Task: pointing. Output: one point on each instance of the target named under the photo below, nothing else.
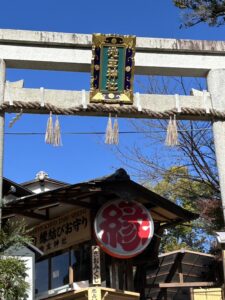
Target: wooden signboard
(94, 293)
(96, 265)
(63, 232)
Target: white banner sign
(96, 265)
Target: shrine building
(99, 238)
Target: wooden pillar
(164, 294)
(223, 262)
(129, 275)
(191, 293)
(180, 272)
(71, 275)
(114, 274)
(216, 87)
(2, 122)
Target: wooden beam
(160, 215)
(167, 285)
(21, 211)
(33, 215)
(69, 198)
(184, 274)
(26, 205)
(77, 202)
(186, 284)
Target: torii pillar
(2, 122)
(216, 87)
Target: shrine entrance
(112, 60)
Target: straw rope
(30, 107)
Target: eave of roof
(118, 184)
(21, 190)
(187, 251)
(46, 180)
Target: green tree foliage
(12, 279)
(12, 270)
(191, 195)
(13, 234)
(211, 12)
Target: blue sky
(81, 157)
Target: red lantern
(123, 228)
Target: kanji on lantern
(123, 228)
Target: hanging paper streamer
(112, 132)
(175, 131)
(172, 134)
(109, 132)
(49, 135)
(57, 133)
(116, 132)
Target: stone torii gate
(73, 52)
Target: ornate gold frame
(127, 42)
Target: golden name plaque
(112, 70)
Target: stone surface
(68, 99)
(72, 52)
(216, 86)
(85, 41)
(2, 122)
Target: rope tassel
(109, 132)
(57, 134)
(49, 134)
(172, 133)
(116, 132)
